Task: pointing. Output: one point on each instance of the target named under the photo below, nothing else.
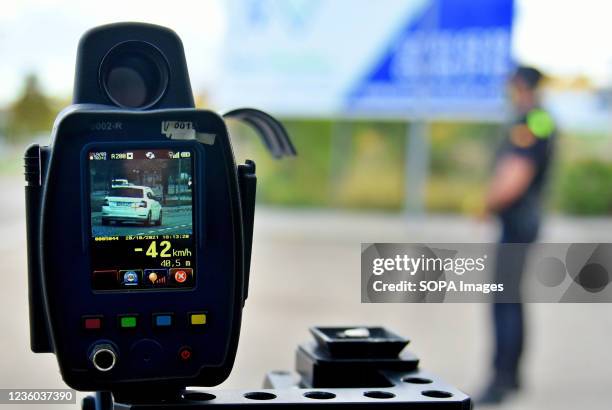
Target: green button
(128, 321)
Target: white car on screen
(119, 182)
(131, 203)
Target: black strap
(272, 132)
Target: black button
(146, 353)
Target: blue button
(163, 320)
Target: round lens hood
(134, 75)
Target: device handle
(277, 141)
(40, 338)
(247, 184)
(272, 132)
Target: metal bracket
(336, 372)
(413, 390)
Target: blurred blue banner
(420, 59)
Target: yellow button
(198, 319)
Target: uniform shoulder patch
(540, 123)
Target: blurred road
(175, 220)
(305, 272)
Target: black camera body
(139, 222)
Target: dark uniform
(531, 136)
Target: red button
(92, 323)
(185, 353)
(181, 276)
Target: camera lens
(134, 75)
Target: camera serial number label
(38, 396)
(180, 130)
(107, 126)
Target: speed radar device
(140, 222)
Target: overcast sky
(563, 37)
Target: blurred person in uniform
(515, 198)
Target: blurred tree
(585, 188)
(32, 112)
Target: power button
(185, 353)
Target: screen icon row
(137, 278)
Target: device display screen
(141, 219)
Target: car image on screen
(131, 203)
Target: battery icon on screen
(185, 154)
